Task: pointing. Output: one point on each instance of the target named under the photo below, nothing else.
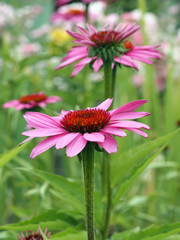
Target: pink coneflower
(30, 101)
(73, 129)
(107, 45)
(34, 236)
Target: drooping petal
(25, 106)
(128, 107)
(53, 99)
(94, 137)
(71, 60)
(27, 139)
(66, 139)
(129, 124)
(97, 64)
(78, 67)
(114, 131)
(76, 146)
(105, 105)
(75, 51)
(44, 132)
(10, 104)
(40, 120)
(138, 131)
(43, 146)
(109, 144)
(41, 104)
(129, 115)
(141, 58)
(126, 60)
(144, 53)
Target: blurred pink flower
(63, 2)
(74, 13)
(41, 31)
(30, 101)
(28, 49)
(151, 24)
(138, 80)
(73, 129)
(108, 44)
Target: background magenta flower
(63, 2)
(74, 13)
(30, 101)
(73, 129)
(112, 45)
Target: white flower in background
(10, 16)
(7, 14)
(96, 77)
(39, 32)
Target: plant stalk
(87, 13)
(109, 197)
(88, 167)
(108, 93)
(107, 79)
(114, 80)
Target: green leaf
(10, 154)
(71, 236)
(133, 173)
(34, 59)
(150, 233)
(43, 235)
(128, 159)
(8, 235)
(72, 191)
(52, 219)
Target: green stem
(109, 198)
(108, 93)
(88, 167)
(114, 80)
(86, 13)
(107, 79)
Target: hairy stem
(88, 167)
(114, 80)
(107, 79)
(109, 197)
(108, 93)
(87, 13)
